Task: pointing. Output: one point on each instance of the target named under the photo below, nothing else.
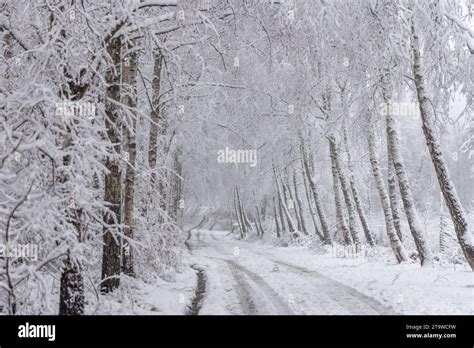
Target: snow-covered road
(244, 278)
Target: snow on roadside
(406, 288)
(156, 297)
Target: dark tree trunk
(111, 247)
(71, 298)
(129, 73)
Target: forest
(236, 157)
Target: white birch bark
(353, 228)
(395, 243)
(419, 236)
(341, 224)
(317, 200)
(450, 195)
(369, 236)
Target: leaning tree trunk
(289, 219)
(450, 195)
(310, 206)
(257, 227)
(280, 209)
(263, 210)
(238, 216)
(231, 219)
(299, 203)
(424, 251)
(340, 220)
(295, 206)
(317, 201)
(111, 246)
(287, 198)
(129, 73)
(395, 243)
(280, 203)
(393, 195)
(345, 191)
(243, 216)
(275, 214)
(259, 221)
(369, 236)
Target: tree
(451, 198)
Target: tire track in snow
(349, 298)
(244, 293)
(253, 299)
(280, 306)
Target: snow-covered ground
(157, 297)
(259, 278)
(256, 277)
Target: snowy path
(243, 278)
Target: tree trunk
(243, 219)
(340, 220)
(129, 73)
(346, 194)
(275, 214)
(295, 207)
(299, 203)
(310, 205)
(111, 246)
(231, 219)
(395, 243)
(246, 218)
(443, 228)
(175, 191)
(369, 236)
(157, 128)
(450, 195)
(259, 222)
(394, 199)
(263, 210)
(287, 199)
(416, 230)
(71, 296)
(317, 201)
(280, 203)
(155, 118)
(257, 227)
(237, 214)
(289, 219)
